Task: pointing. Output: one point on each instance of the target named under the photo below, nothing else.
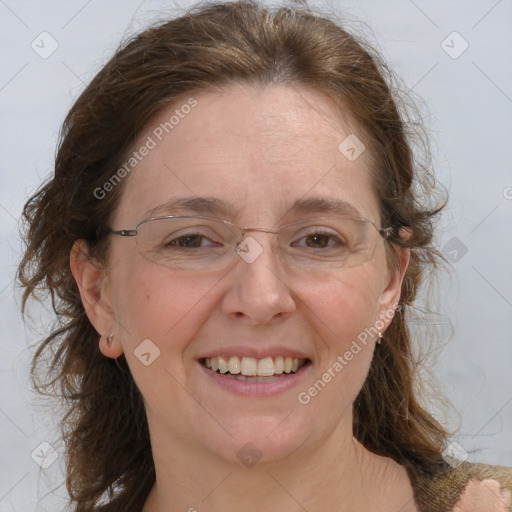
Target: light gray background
(468, 108)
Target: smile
(252, 367)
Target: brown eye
(318, 240)
(186, 242)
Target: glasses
(185, 242)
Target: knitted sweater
(467, 488)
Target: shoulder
(469, 487)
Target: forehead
(259, 150)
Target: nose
(258, 289)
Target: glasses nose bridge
(245, 230)
(245, 235)
(262, 230)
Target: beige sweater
(467, 488)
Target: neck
(341, 475)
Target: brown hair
(104, 428)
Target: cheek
(345, 305)
(150, 302)
(344, 316)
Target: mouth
(262, 374)
(250, 369)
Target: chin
(260, 440)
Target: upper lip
(256, 353)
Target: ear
(94, 287)
(390, 296)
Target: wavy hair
(109, 465)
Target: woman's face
(261, 151)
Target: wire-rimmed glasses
(198, 243)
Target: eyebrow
(198, 205)
(324, 205)
(222, 209)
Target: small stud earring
(109, 340)
(379, 341)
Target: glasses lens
(329, 243)
(195, 243)
(187, 243)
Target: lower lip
(257, 389)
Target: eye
(186, 241)
(320, 238)
(195, 240)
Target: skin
(259, 148)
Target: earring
(379, 341)
(109, 340)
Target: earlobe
(95, 293)
(110, 346)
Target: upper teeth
(249, 366)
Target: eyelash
(319, 232)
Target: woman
(232, 240)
